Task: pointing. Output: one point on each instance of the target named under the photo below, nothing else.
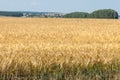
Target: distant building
(42, 14)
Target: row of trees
(31, 14)
(103, 13)
(15, 14)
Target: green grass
(98, 71)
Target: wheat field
(59, 49)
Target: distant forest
(103, 13)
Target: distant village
(31, 14)
(43, 14)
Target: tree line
(31, 14)
(103, 13)
(14, 14)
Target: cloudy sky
(58, 5)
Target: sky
(64, 6)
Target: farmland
(59, 49)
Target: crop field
(59, 49)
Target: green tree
(76, 15)
(104, 13)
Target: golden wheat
(30, 43)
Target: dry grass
(60, 47)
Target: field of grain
(59, 49)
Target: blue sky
(58, 5)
